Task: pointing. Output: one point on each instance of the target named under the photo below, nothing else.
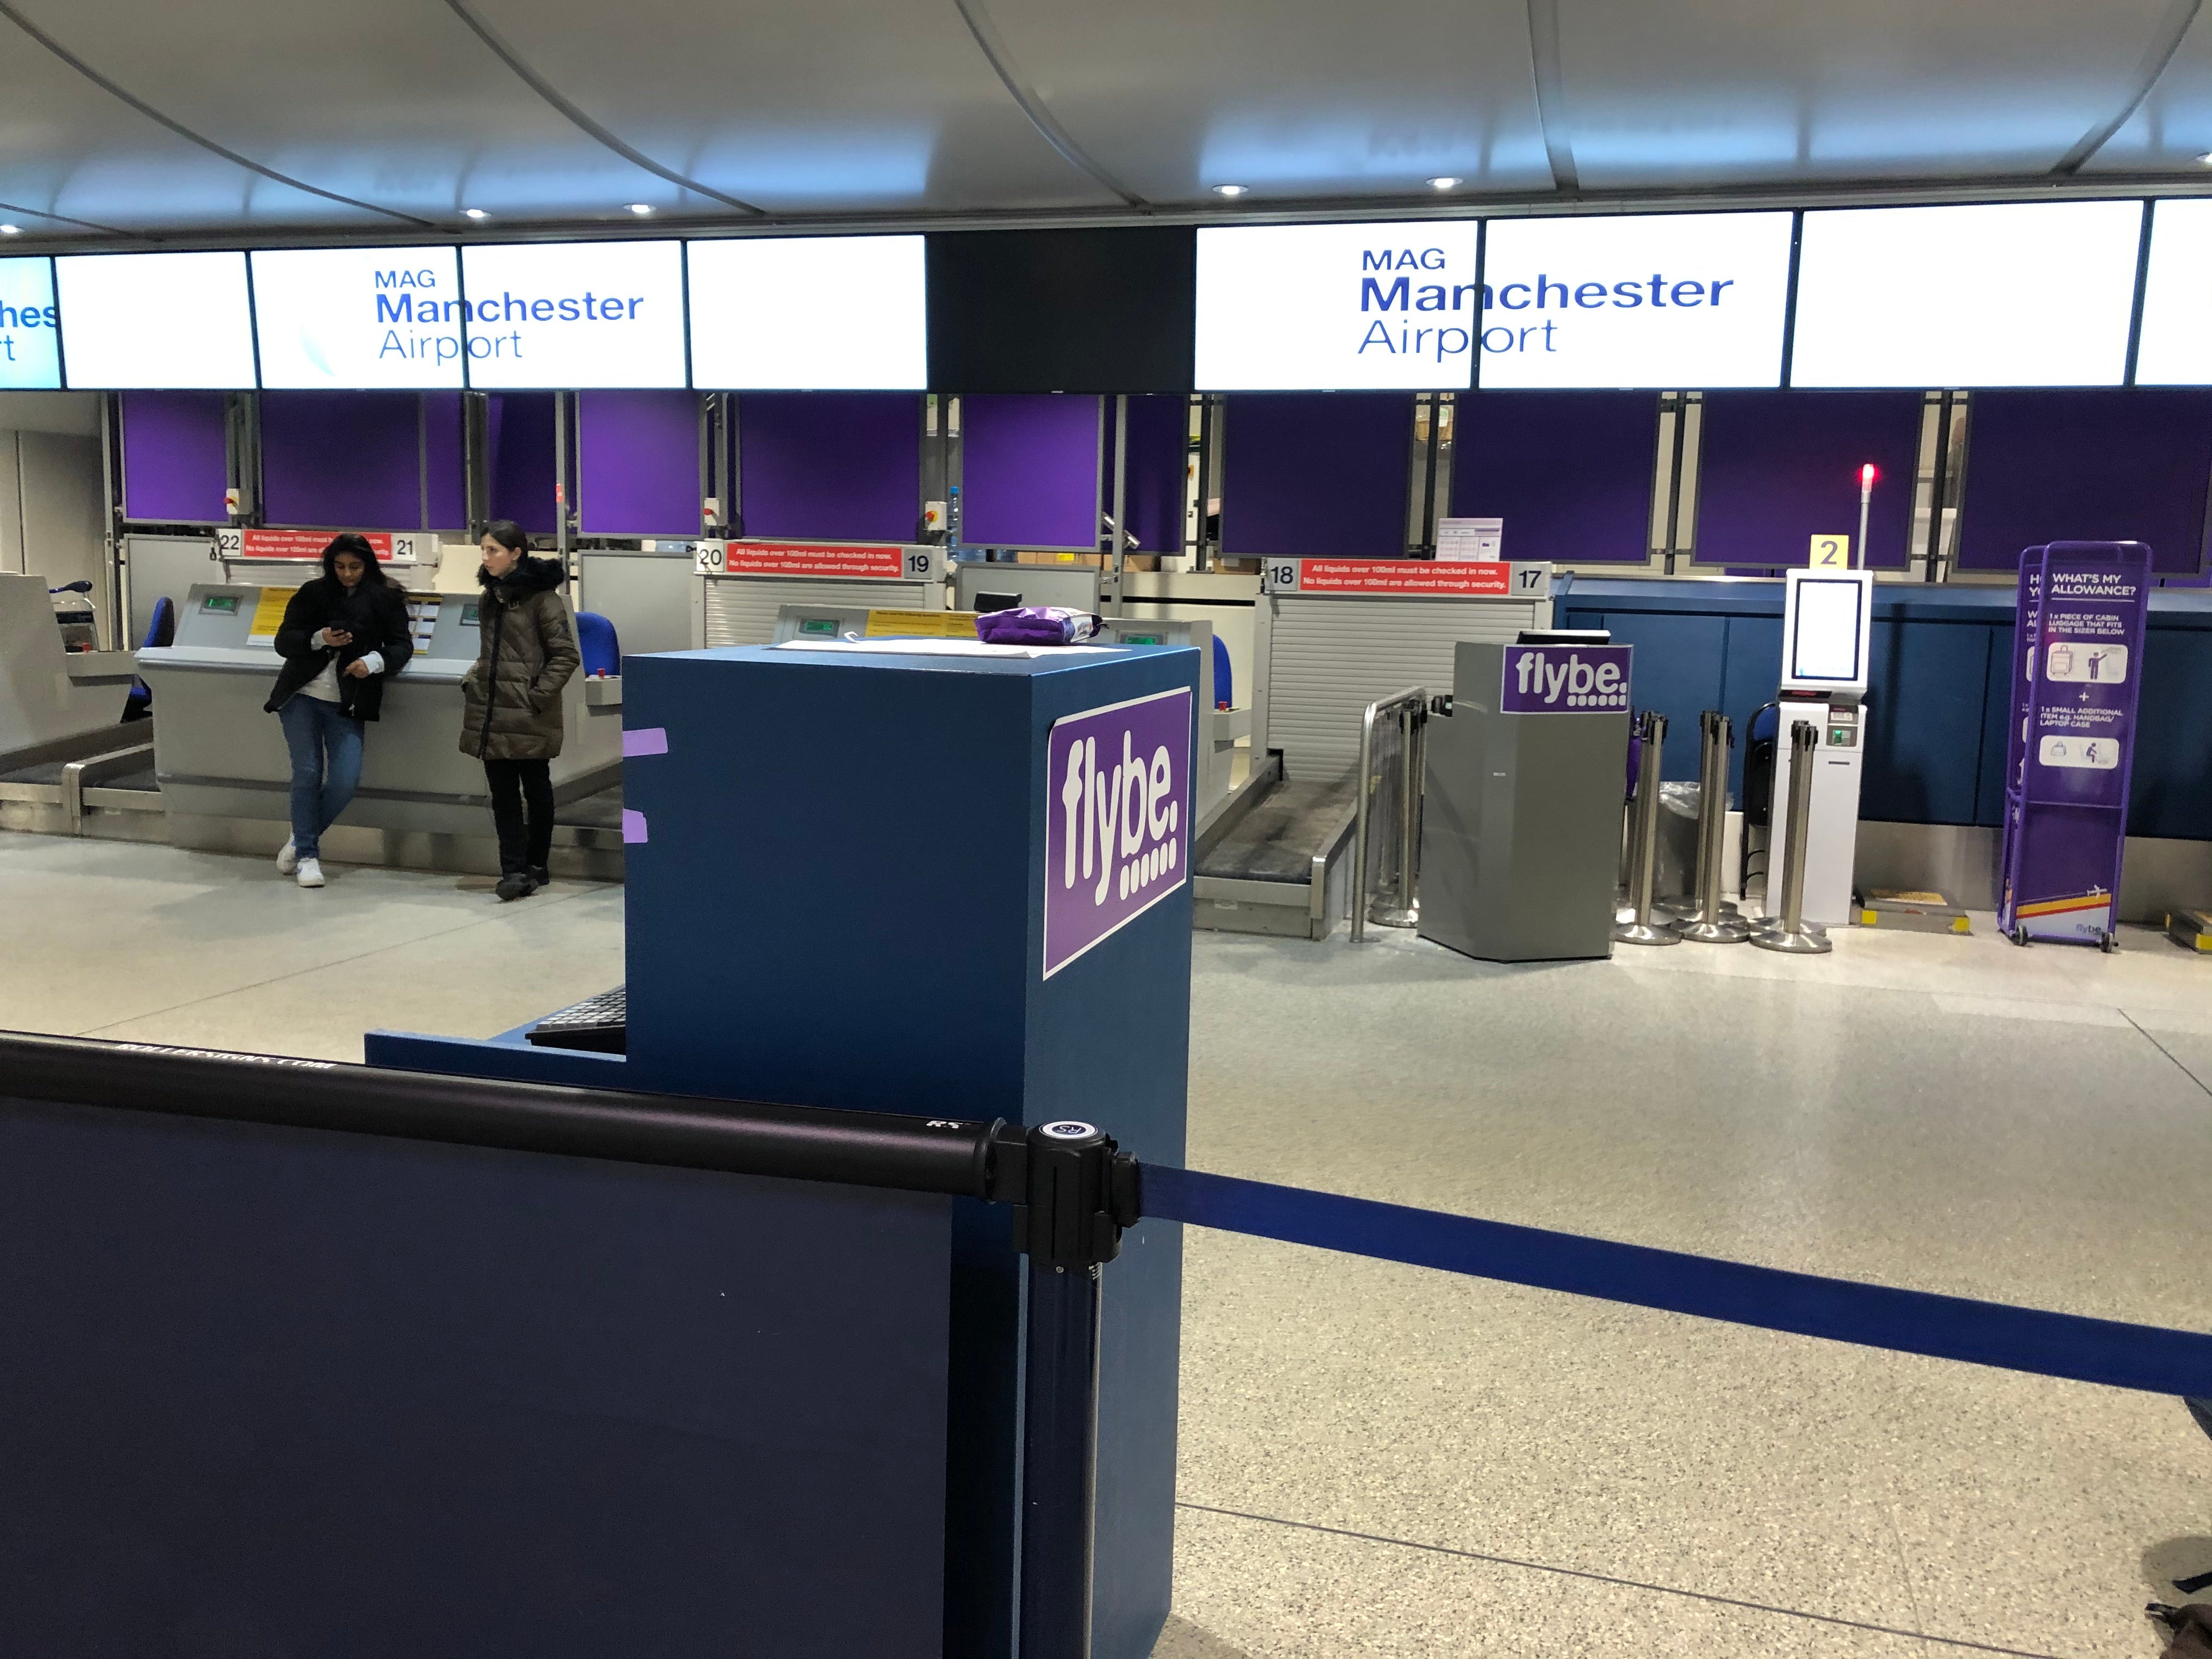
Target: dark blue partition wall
(1316, 472)
(445, 465)
(1939, 684)
(287, 1392)
(1029, 471)
(1570, 472)
(637, 463)
(175, 460)
(1775, 469)
(1152, 485)
(342, 460)
(831, 465)
(519, 435)
(2086, 466)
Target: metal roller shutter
(741, 611)
(1329, 659)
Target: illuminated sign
(156, 321)
(2175, 347)
(810, 314)
(1330, 308)
(1657, 300)
(29, 326)
(2016, 294)
(358, 317)
(568, 314)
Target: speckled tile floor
(1378, 1460)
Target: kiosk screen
(1826, 646)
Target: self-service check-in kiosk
(59, 714)
(225, 777)
(1521, 822)
(1826, 630)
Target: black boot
(517, 883)
(541, 875)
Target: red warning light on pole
(1866, 476)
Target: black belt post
(1074, 1191)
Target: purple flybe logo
(1565, 680)
(1117, 819)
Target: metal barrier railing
(1397, 857)
(1712, 920)
(1638, 927)
(1786, 929)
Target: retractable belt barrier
(2031, 1340)
(1074, 1194)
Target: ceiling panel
(393, 102)
(1289, 97)
(835, 106)
(2173, 126)
(69, 149)
(1733, 91)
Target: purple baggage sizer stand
(2077, 674)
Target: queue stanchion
(1712, 922)
(1787, 931)
(1080, 1192)
(1643, 856)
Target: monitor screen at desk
(1827, 645)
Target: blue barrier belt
(1842, 1311)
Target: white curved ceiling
(268, 117)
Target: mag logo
(1117, 819)
(1565, 680)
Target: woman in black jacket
(342, 634)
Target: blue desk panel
(283, 1392)
(1939, 673)
(839, 903)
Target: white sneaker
(289, 860)
(311, 872)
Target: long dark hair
(509, 534)
(349, 542)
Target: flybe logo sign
(1117, 819)
(1560, 679)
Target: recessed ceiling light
(1447, 182)
(1228, 190)
(474, 213)
(11, 230)
(641, 209)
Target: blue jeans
(326, 746)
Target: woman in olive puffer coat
(526, 653)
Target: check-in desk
(1330, 637)
(224, 774)
(59, 714)
(739, 588)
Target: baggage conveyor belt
(1278, 859)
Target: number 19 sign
(1117, 819)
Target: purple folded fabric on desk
(1036, 624)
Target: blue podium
(955, 885)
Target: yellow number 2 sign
(1831, 552)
